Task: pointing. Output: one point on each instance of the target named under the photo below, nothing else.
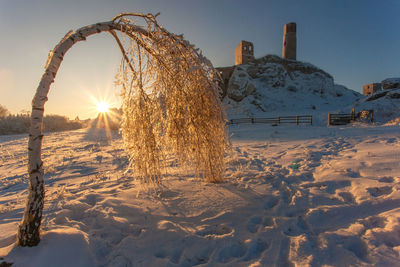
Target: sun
(103, 107)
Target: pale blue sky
(357, 41)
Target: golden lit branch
(170, 103)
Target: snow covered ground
(294, 195)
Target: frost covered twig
(173, 107)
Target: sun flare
(102, 107)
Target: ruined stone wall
(289, 41)
(244, 53)
(369, 89)
(391, 83)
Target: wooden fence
(342, 119)
(302, 119)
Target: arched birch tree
(170, 107)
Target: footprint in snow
(136, 230)
(271, 202)
(386, 179)
(215, 231)
(353, 174)
(379, 191)
(256, 248)
(174, 256)
(292, 231)
(347, 197)
(168, 194)
(184, 258)
(307, 177)
(374, 222)
(256, 222)
(268, 221)
(228, 253)
(356, 246)
(91, 199)
(257, 164)
(296, 227)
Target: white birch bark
(29, 229)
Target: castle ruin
(289, 41)
(369, 89)
(387, 84)
(244, 52)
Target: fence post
(311, 120)
(329, 119)
(279, 120)
(372, 115)
(352, 114)
(297, 120)
(252, 120)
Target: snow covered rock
(240, 85)
(391, 83)
(276, 72)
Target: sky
(356, 41)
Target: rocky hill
(274, 86)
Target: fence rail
(342, 119)
(301, 119)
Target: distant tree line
(20, 123)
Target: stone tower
(244, 53)
(289, 41)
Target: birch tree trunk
(29, 228)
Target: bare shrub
(14, 124)
(3, 111)
(52, 123)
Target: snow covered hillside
(272, 86)
(303, 195)
(385, 103)
(275, 86)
